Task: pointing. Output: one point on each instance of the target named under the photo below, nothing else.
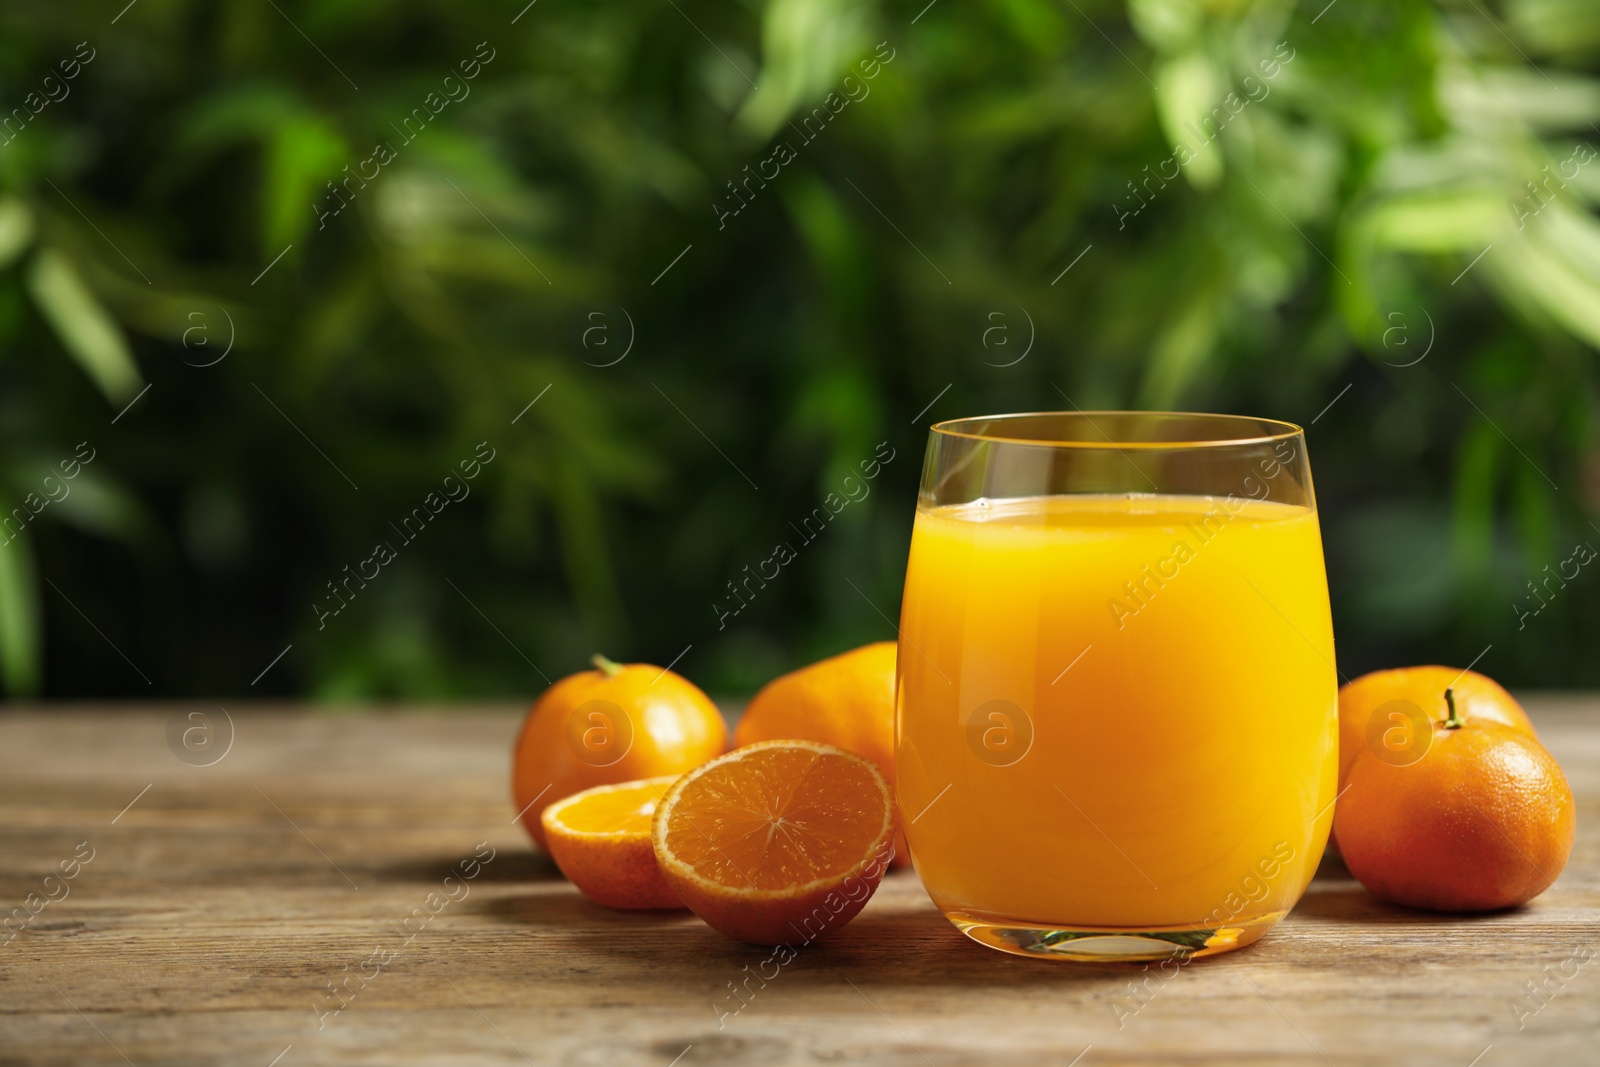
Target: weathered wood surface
(218, 910)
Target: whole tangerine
(1406, 700)
(1483, 819)
(845, 700)
(616, 723)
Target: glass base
(1112, 944)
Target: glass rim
(1284, 430)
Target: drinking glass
(1116, 720)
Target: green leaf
(1534, 512)
(1180, 353)
(1542, 272)
(16, 230)
(19, 618)
(1443, 221)
(1561, 27)
(1168, 25)
(806, 46)
(99, 506)
(1189, 87)
(89, 333)
(304, 155)
(1506, 95)
(832, 241)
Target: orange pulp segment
(777, 842)
(600, 838)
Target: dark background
(1356, 251)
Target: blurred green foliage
(1357, 249)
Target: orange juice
(1117, 712)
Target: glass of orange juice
(1116, 721)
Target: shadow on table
(1353, 904)
(507, 866)
(904, 947)
(1335, 896)
(1332, 867)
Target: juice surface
(1116, 711)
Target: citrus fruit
(845, 700)
(616, 723)
(1483, 819)
(780, 842)
(1407, 699)
(600, 838)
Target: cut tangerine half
(600, 838)
(781, 842)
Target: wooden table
(220, 904)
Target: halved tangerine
(600, 838)
(781, 842)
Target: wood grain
(219, 907)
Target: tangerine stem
(610, 668)
(1453, 721)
